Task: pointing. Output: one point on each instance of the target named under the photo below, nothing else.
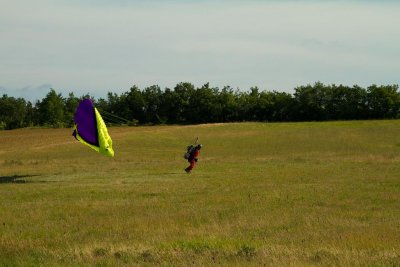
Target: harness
(189, 151)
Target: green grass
(279, 194)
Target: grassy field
(279, 194)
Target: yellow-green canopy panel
(90, 128)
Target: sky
(97, 46)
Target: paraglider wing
(90, 128)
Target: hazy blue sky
(97, 46)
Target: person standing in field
(193, 157)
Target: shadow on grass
(17, 179)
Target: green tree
(183, 93)
(30, 114)
(152, 97)
(283, 104)
(228, 103)
(346, 103)
(12, 112)
(133, 105)
(383, 101)
(311, 102)
(71, 103)
(203, 106)
(169, 107)
(51, 110)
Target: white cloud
(100, 46)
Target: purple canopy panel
(85, 120)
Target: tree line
(186, 104)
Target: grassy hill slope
(276, 194)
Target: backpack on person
(189, 151)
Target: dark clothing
(194, 154)
(192, 159)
